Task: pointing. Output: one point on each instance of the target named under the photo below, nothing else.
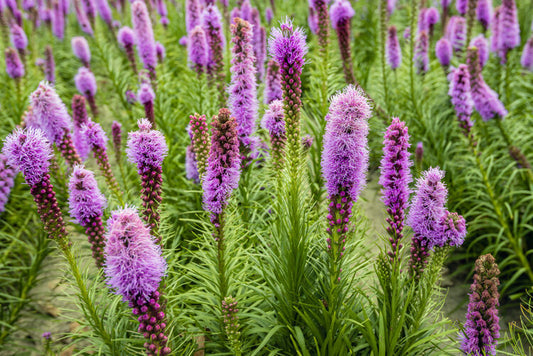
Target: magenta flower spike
(14, 66)
(422, 53)
(198, 51)
(273, 89)
(461, 98)
(484, 13)
(261, 54)
(321, 13)
(425, 215)
(341, 13)
(212, 25)
(191, 165)
(116, 132)
(443, 52)
(80, 118)
(160, 51)
(147, 149)
(144, 34)
(482, 326)
(52, 117)
(509, 30)
(419, 155)
(126, 39)
(146, 96)
(105, 12)
(274, 122)
(193, 11)
(30, 152)
(344, 162)
(391, 6)
(461, 6)
(312, 20)
(49, 65)
(458, 34)
(58, 21)
(235, 12)
(485, 99)
(7, 180)
(80, 48)
(19, 39)
(134, 268)
(432, 17)
(162, 11)
(87, 206)
(223, 167)
(483, 49)
(394, 52)
(86, 85)
(201, 143)
(422, 24)
(89, 8)
(527, 55)
(495, 31)
(242, 90)
(83, 19)
(395, 179)
(269, 15)
(453, 227)
(288, 48)
(246, 10)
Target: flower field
(266, 177)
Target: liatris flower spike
(395, 179)
(134, 268)
(425, 215)
(7, 180)
(198, 51)
(443, 52)
(51, 116)
(509, 29)
(126, 38)
(483, 48)
(80, 48)
(147, 149)
(49, 65)
(242, 90)
(274, 122)
(341, 14)
(146, 97)
(495, 31)
(19, 39)
(394, 52)
(321, 12)
(269, 15)
(105, 12)
(201, 142)
(160, 51)
(312, 20)
(422, 53)
(527, 55)
(87, 205)
(116, 131)
(453, 228)
(14, 66)
(344, 162)
(484, 13)
(461, 6)
(30, 152)
(212, 25)
(231, 322)
(80, 118)
(86, 85)
(223, 166)
(193, 11)
(461, 98)
(144, 34)
(273, 89)
(458, 33)
(482, 326)
(191, 165)
(58, 20)
(431, 17)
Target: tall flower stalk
(274, 122)
(201, 142)
(462, 99)
(212, 25)
(341, 13)
(126, 39)
(86, 85)
(144, 34)
(273, 89)
(320, 8)
(80, 48)
(147, 149)
(146, 96)
(80, 118)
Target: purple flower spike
(419, 154)
(321, 11)
(191, 165)
(184, 41)
(453, 230)
(422, 53)
(147, 149)
(134, 268)
(482, 326)
(87, 205)
(484, 13)
(83, 20)
(146, 97)
(198, 51)
(274, 122)
(18, 37)
(212, 25)
(483, 48)
(80, 117)
(461, 98)
(52, 117)
(394, 52)
(7, 180)
(341, 14)
(80, 48)
(273, 89)
(201, 142)
(425, 215)
(461, 6)
(458, 34)
(193, 12)
(89, 8)
(527, 55)
(86, 85)
(485, 99)
(49, 65)
(312, 20)
(495, 31)
(443, 51)
(432, 16)
(126, 38)
(116, 131)
(30, 152)
(223, 166)
(509, 29)
(395, 179)
(58, 21)
(242, 90)
(105, 12)
(14, 66)
(246, 10)
(391, 6)
(269, 15)
(142, 27)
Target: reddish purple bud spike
(394, 52)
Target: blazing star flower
(105, 12)
(321, 11)
(391, 6)
(422, 53)
(146, 97)
(461, 6)
(49, 65)
(116, 131)
(461, 98)
(443, 51)
(212, 25)
(80, 118)
(527, 55)
(231, 321)
(453, 230)
(87, 205)
(395, 179)
(394, 52)
(193, 12)
(80, 48)
(341, 14)
(198, 52)
(14, 66)
(495, 31)
(483, 48)
(18, 37)
(7, 180)
(509, 29)
(274, 122)
(273, 89)
(126, 39)
(58, 21)
(312, 20)
(89, 9)
(201, 142)
(484, 13)
(269, 15)
(482, 326)
(191, 165)
(160, 51)
(86, 85)
(142, 27)
(457, 33)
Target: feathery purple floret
(29, 152)
(212, 25)
(484, 12)
(88, 8)
(482, 328)
(193, 12)
(85, 199)
(345, 151)
(80, 48)
(242, 90)
(134, 266)
(461, 97)
(198, 51)
(145, 94)
(391, 6)
(321, 17)
(443, 52)
(461, 6)
(14, 66)
(246, 10)
(483, 48)
(146, 147)
(144, 33)
(394, 52)
(126, 37)
(273, 89)
(453, 230)
(422, 23)
(273, 119)
(95, 136)
(7, 180)
(527, 55)
(50, 112)
(85, 81)
(509, 30)
(341, 10)
(18, 37)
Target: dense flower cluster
(7, 177)
(201, 144)
(274, 122)
(341, 14)
(461, 97)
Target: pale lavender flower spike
(80, 48)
